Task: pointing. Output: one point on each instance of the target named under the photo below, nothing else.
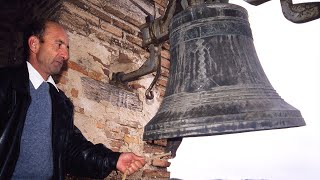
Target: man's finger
(139, 164)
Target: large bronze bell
(216, 83)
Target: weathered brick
(103, 16)
(134, 39)
(125, 26)
(95, 3)
(136, 86)
(107, 72)
(77, 67)
(164, 72)
(163, 81)
(162, 91)
(111, 29)
(130, 140)
(72, 9)
(73, 23)
(130, 123)
(98, 60)
(160, 163)
(100, 125)
(97, 91)
(162, 3)
(114, 127)
(108, 8)
(165, 54)
(155, 174)
(96, 75)
(146, 5)
(79, 109)
(161, 9)
(147, 148)
(124, 58)
(160, 142)
(74, 93)
(101, 35)
(133, 21)
(166, 46)
(165, 63)
(124, 10)
(126, 45)
(116, 145)
(134, 48)
(80, 3)
(113, 135)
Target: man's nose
(64, 54)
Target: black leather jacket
(72, 153)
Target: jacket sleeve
(4, 104)
(83, 158)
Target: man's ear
(33, 43)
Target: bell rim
(215, 129)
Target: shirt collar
(36, 79)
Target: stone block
(165, 54)
(130, 139)
(134, 39)
(72, 9)
(165, 63)
(77, 67)
(74, 93)
(80, 3)
(162, 81)
(162, 3)
(155, 174)
(100, 14)
(125, 26)
(95, 75)
(124, 10)
(116, 145)
(162, 91)
(166, 45)
(160, 163)
(160, 142)
(111, 29)
(153, 149)
(97, 91)
(164, 72)
(73, 23)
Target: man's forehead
(51, 24)
(56, 30)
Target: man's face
(53, 50)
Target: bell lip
(160, 134)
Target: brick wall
(105, 38)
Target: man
(38, 139)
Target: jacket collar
(21, 79)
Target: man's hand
(130, 163)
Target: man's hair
(35, 28)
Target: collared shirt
(36, 79)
